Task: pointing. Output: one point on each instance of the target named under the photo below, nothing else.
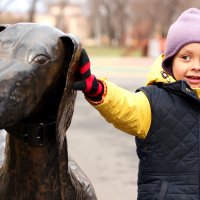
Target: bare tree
(159, 14)
(32, 10)
(110, 19)
(60, 16)
(144, 16)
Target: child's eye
(186, 58)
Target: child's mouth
(193, 79)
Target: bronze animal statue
(37, 68)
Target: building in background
(68, 17)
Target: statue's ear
(73, 51)
(4, 26)
(72, 47)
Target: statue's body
(37, 65)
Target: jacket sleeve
(127, 111)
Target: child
(164, 116)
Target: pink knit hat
(185, 30)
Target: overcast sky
(23, 5)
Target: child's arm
(127, 111)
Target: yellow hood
(156, 73)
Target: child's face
(186, 65)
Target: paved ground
(106, 154)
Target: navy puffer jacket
(169, 167)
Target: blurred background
(127, 27)
(122, 37)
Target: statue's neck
(34, 172)
(30, 168)
(34, 134)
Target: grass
(110, 51)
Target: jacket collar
(181, 88)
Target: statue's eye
(40, 59)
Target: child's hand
(88, 83)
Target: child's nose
(196, 68)
(196, 65)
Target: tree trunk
(32, 11)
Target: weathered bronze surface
(37, 67)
